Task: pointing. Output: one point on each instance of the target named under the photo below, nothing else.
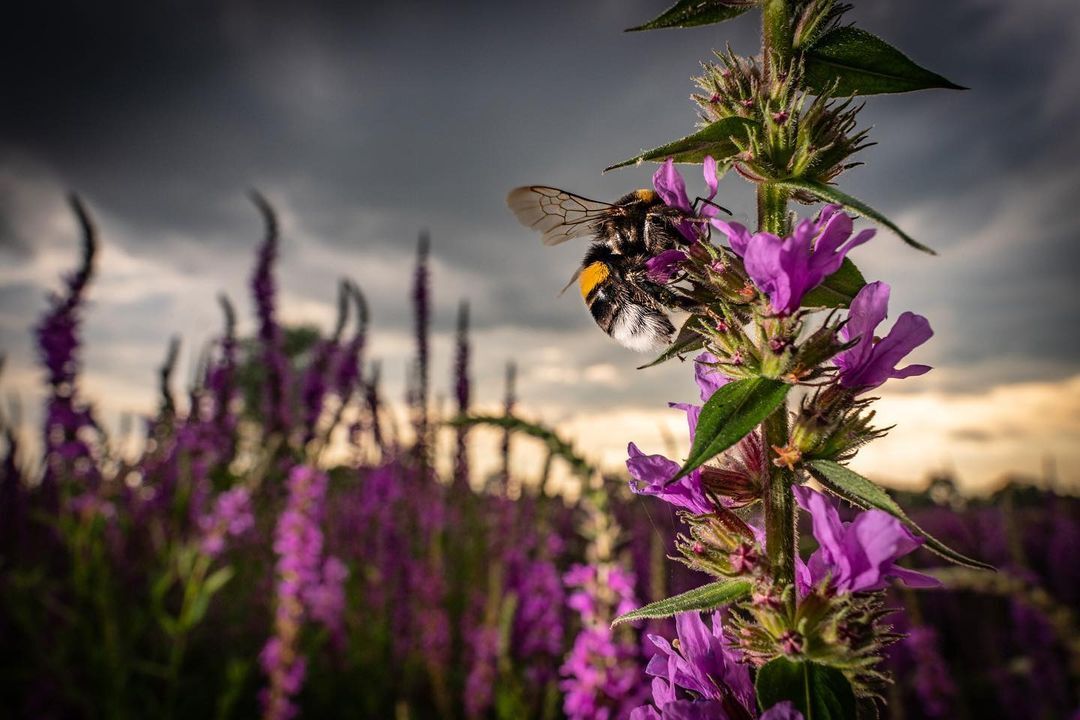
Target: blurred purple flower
(264, 290)
(538, 622)
(601, 677)
(421, 297)
(462, 395)
(870, 362)
(933, 682)
(856, 556)
(67, 421)
(326, 599)
(230, 516)
(786, 269)
(220, 384)
(480, 682)
(298, 544)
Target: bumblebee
(612, 278)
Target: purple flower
(264, 290)
(67, 421)
(703, 678)
(870, 362)
(651, 474)
(782, 711)
(707, 377)
(786, 269)
(671, 188)
(231, 515)
(856, 556)
(301, 573)
(462, 391)
(601, 675)
(480, 682)
(663, 267)
(326, 600)
(933, 682)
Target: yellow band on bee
(645, 195)
(591, 276)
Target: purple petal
(782, 711)
(661, 268)
(828, 531)
(708, 169)
(861, 555)
(868, 364)
(649, 469)
(738, 235)
(671, 187)
(694, 710)
(707, 377)
(651, 475)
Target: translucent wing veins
(557, 214)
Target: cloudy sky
(367, 122)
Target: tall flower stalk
(276, 412)
(776, 309)
(67, 420)
(298, 544)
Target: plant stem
(776, 39)
(780, 510)
(776, 34)
(772, 209)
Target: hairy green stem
(780, 547)
(776, 34)
(780, 510)
(772, 209)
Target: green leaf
(692, 13)
(706, 597)
(819, 692)
(714, 140)
(829, 193)
(856, 489)
(729, 415)
(687, 341)
(839, 289)
(860, 63)
(217, 580)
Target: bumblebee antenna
(706, 201)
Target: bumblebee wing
(558, 214)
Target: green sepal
(817, 691)
(837, 290)
(729, 415)
(856, 489)
(706, 597)
(829, 193)
(694, 13)
(848, 61)
(713, 139)
(687, 341)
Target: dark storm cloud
(370, 121)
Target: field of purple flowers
(234, 570)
